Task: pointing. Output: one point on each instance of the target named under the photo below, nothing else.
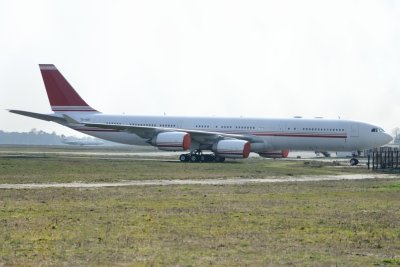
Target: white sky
(205, 58)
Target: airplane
(232, 138)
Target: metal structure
(384, 158)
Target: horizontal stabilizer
(39, 116)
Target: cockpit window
(377, 130)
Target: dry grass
(343, 223)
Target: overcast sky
(205, 58)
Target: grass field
(331, 223)
(77, 165)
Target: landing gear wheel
(198, 156)
(219, 159)
(184, 158)
(207, 158)
(211, 158)
(194, 158)
(354, 162)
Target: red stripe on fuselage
(282, 134)
(300, 135)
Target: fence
(384, 158)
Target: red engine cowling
(232, 149)
(172, 141)
(275, 154)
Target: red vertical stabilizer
(62, 97)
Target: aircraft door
(354, 131)
(282, 127)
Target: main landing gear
(198, 156)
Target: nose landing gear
(354, 162)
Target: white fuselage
(273, 134)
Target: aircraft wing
(39, 116)
(203, 137)
(146, 132)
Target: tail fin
(62, 97)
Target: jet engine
(275, 154)
(232, 148)
(172, 141)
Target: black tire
(184, 158)
(207, 158)
(210, 158)
(194, 158)
(219, 159)
(354, 162)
